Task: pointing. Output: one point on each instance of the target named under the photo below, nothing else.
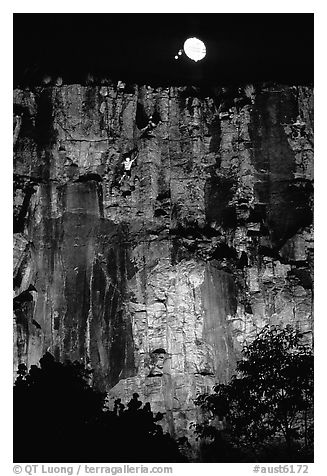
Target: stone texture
(156, 282)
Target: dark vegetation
(59, 417)
(266, 412)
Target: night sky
(141, 48)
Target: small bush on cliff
(265, 412)
(58, 416)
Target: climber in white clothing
(127, 163)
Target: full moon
(195, 49)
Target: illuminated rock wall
(156, 281)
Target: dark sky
(141, 47)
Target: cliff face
(157, 279)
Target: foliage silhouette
(265, 412)
(59, 417)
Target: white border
(6, 81)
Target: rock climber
(152, 124)
(149, 127)
(127, 163)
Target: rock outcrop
(156, 280)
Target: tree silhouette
(58, 416)
(268, 403)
